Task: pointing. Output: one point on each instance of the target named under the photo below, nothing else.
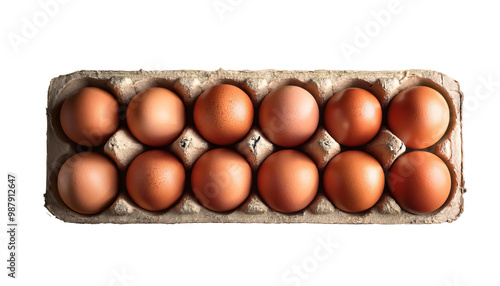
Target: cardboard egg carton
(122, 147)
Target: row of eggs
(288, 116)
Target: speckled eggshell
(155, 180)
(223, 114)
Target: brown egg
(289, 115)
(90, 116)
(221, 179)
(223, 114)
(88, 182)
(353, 116)
(354, 181)
(420, 182)
(155, 180)
(288, 181)
(156, 116)
(419, 116)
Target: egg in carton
(122, 147)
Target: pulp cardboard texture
(122, 147)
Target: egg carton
(122, 147)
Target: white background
(459, 39)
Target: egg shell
(223, 114)
(419, 116)
(420, 182)
(288, 181)
(88, 182)
(353, 116)
(221, 179)
(90, 116)
(289, 115)
(354, 181)
(156, 116)
(155, 180)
